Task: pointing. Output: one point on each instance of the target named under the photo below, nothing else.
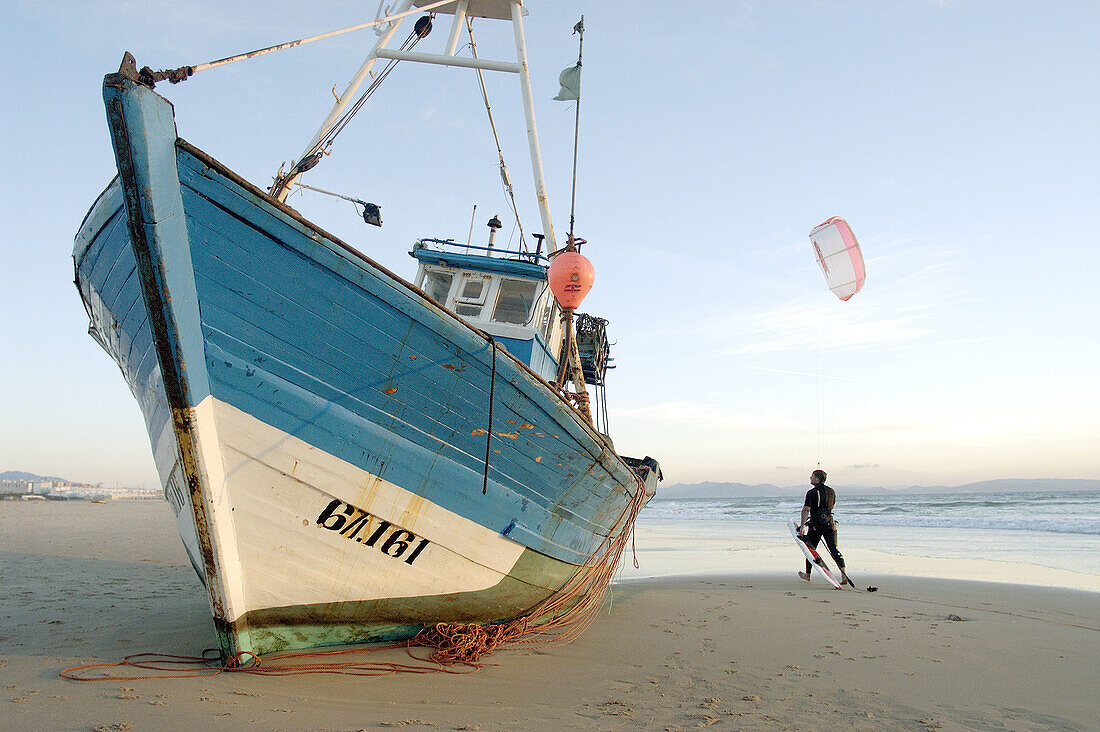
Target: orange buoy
(571, 277)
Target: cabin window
(437, 284)
(514, 301)
(473, 290)
(468, 311)
(549, 309)
(471, 295)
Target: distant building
(13, 488)
(43, 487)
(65, 490)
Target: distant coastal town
(19, 486)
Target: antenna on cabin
(470, 236)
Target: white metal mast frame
(519, 67)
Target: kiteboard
(812, 555)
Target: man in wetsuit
(817, 520)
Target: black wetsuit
(820, 500)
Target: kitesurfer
(817, 523)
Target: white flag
(570, 80)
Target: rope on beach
(167, 666)
(557, 621)
(454, 647)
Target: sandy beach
(87, 582)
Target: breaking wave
(1058, 512)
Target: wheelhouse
(505, 296)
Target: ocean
(1056, 511)
(1037, 538)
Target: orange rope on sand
(557, 621)
(166, 666)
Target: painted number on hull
(174, 492)
(359, 526)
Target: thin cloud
(801, 373)
(804, 325)
(703, 416)
(965, 341)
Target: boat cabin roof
(481, 263)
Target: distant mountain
(1013, 485)
(721, 490)
(20, 475)
(1005, 485)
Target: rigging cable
(311, 158)
(603, 407)
(578, 29)
(150, 77)
(496, 136)
(489, 431)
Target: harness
(820, 513)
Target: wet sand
(89, 582)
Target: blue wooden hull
(282, 375)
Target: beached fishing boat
(350, 457)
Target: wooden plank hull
(319, 425)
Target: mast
(461, 9)
(532, 133)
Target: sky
(959, 139)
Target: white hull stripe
(294, 525)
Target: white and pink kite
(839, 257)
